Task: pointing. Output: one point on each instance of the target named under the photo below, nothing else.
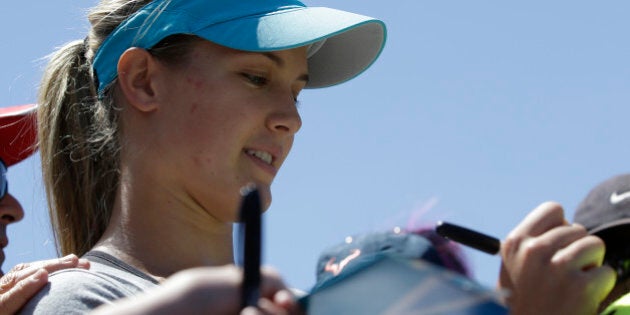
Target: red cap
(18, 133)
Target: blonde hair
(79, 134)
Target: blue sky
(477, 111)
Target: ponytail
(79, 133)
(79, 150)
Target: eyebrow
(280, 62)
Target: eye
(296, 98)
(255, 79)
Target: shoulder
(77, 291)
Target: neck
(160, 234)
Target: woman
(151, 125)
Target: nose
(10, 210)
(285, 118)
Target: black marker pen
(468, 237)
(250, 241)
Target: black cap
(606, 207)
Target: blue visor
(342, 44)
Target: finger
(268, 307)
(271, 283)
(251, 310)
(24, 270)
(601, 281)
(265, 307)
(14, 299)
(69, 261)
(288, 300)
(583, 254)
(545, 246)
(560, 237)
(83, 263)
(543, 218)
(19, 267)
(285, 299)
(52, 265)
(8, 281)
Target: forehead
(281, 57)
(292, 63)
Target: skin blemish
(195, 83)
(194, 107)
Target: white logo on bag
(335, 269)
(617, 198)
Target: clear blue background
(476, 112)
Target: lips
(262, 155)
(266, 159)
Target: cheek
(196, 84)
(214, 116)
(210, 135)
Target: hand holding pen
(548, 266)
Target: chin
(265, 205)
(265, 197)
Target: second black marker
(468, 237)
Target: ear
(136, 78)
